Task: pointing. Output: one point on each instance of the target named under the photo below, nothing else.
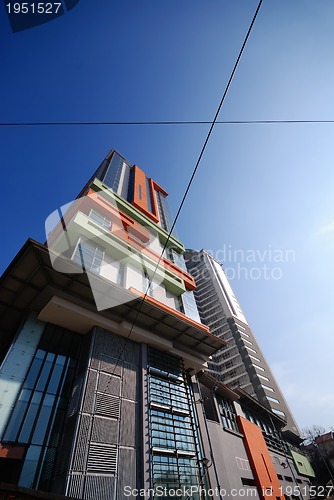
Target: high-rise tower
(240, 363)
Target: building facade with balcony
(99, 335)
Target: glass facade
(149, 199)
(174, 442)
(190, 307)
(227, 414)
(165, 215)
(39, 410)
(114, 172)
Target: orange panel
(141, 194)
(139, 189)
(260, 460)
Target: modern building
(102, 391)
(251, 455)
(240, 363)
(319, 448)
(98, 334)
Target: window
(259, 368)
(88, 256)
(227, 414)
(279, 412)
(172, 428)
(250, 349)
(40, 408)
(99, 218)
(267, 388)
(256, 359)
(147, 285)
(274, 400)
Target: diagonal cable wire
(212, 124)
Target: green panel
(115, 247)
(136, 214)
(302, 464)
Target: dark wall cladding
(107, 444)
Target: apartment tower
(240, 363)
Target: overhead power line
(212, 124)
(166, 122)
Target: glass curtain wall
(39, 410)
(174, 443)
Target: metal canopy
(216, 386)
(30, 282)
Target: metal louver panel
(79, 462)
(130, 379)
(131, 353)
(102, 458)
(105, 430)
(113, 345)
(99, 336)
(127, 470)
(111, 365)
(90, 392)
(99, 488)
(128, 422)
(107, 405)
(109, 384)
(75, 486)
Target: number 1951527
(33, 8)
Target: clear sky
(263, 193)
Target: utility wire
(212, 124)
(172, 122)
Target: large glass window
(165, 215)
(89, 256)
(99, 218)
(114, 172)
(190, 307)
(227, 414)
(39, 410)
(173, 436)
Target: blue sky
(259, 187)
